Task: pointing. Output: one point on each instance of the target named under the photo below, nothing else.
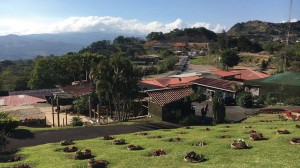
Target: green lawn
(202, 60)
(274, 152)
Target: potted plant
(97, 163)
(239, 144)
(295, 141)
(159, 152)
(194, 157)
(134, 147)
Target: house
(169, 104)
(248, 74)
(167, 82)
(211, 85)
(283, 85)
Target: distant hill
(13, 47)
(264, 31)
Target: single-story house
(211, 85)
(284, 85)
(248, 74)
(169, 104)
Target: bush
(190, 120)
(293, 101)
(3, 141)
(244, 99)
(259, 101)
(271, 98)
(76, 121)
(7, 124)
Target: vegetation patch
(193, 157)
(200, 143)
(134, 147)
(239, 144)
(87, 154)
(66, 142)
(119, 141)
(295, 141)
(22, 166)
(108, 137)
(174, 139)
(159, 152)
(70, 149)
(257, 136)
(283, 132)
(97, 163)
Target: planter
(87, 154)
(66, 142)
(239, 144)
(119, 141)
(295, 141)
(97, 163)
(107, 137)
(133, 147)
(257, 137)
(283, 132)
(159, 152)
(72, 149)
(194, 157)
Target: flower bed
(194, 157)
(66, 142)
(200, 143)
(174, 139)
(271, 111)
(159, 152)
(97, 163)
(107, 137)
(239, 144)
(119, 141)
(283, 132)
(257, 137)
(72, 149)
(87, 154)
(134, 147)
(295, 141)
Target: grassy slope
(274, 152)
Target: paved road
(26, 138)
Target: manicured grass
(202, 60)
(273, 152)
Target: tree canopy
(229, 58)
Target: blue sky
(136, 16)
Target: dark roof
(165, 96)
(286, 78)
(78, 89)
(220, 84)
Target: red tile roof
(218, 84)
(79, 89)
(223, 73)
(170, 82)
(248, 74)
(19, 100)
(165, 96)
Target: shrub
(190, 120)
(271, 98)
(259, 101)
(76, 121)
(7, 124)
(3, 141)
(293, 101)
(244, 99)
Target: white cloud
(94, 24)
(292, 20)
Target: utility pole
(288, 33)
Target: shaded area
(22, 134)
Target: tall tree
(229, 58)
(219, 110)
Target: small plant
(200, 143)
(66, 142)
(295, 141)
(193, 157)
(83, 155)
(107, 137)
(97, 163)
(174, 139)
(119, 141)
(239, 144)
(257, 136)
(159, 152)
(76, 121)
(72, 149)
(134, 147)
(283, 132)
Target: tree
(21, 83)
(229, 58)
(80, 104)
(219, 110)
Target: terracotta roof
(19, 100)
(248, 74)
(180, 44)
(79, 89)
(223, 73)
(217, 84)
(170, 82)
(165, 96)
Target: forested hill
(265, 31)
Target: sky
(23, 17)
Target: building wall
(155, 111)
